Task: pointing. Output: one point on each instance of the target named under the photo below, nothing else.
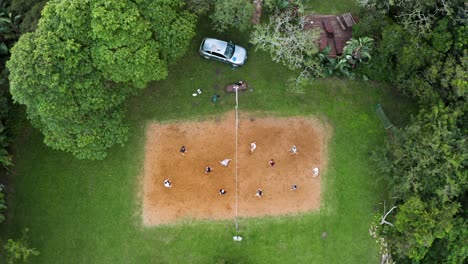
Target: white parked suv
(223, 51)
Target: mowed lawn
(89, 211)
(331, 7)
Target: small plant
(296, 86)
(276, 5)
(5, 157)
(2, 203)
(18, 250)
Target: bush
(199, 7)
(19, 250)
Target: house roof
(335, 31)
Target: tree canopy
(284, 37)
(421, 48)
(231, 14)
(85, 58)
(426, 165)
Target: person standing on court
(208, 169)
(253, 146)
(183, 150)
(167, 183)
(271, 162)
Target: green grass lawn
(331, 7)
(89, 211)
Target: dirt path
(194, 194)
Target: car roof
(214, 45)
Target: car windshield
(229, 50)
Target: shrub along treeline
(16, 17)
(9, 34)
(421, 47)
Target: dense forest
(421, 48)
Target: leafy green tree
(453, 248)
(173, 26)
(441, 37)
(19, 250)
(284, 37)
(418, 61)
(416, 15)
(428, 157)
(65, 95)
(111, 35)
(421, 49)
(232, 14)
(85, 58)
(426, 169)
(461, 37)
(199, 7)
(452, 76)
(419, 224)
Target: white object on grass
(237, 238)
(225, 162)
(194, 94)
(198, 91)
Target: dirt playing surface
(195, 195)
